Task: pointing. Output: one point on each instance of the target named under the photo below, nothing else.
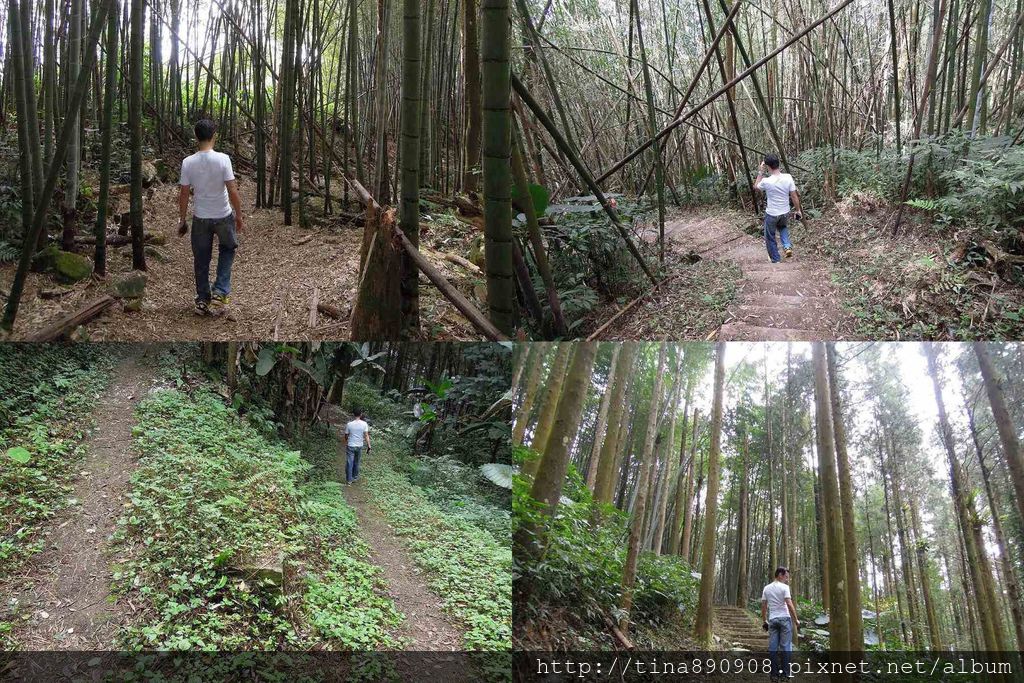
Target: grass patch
(469, 569)
(46, 399)
(212, 499)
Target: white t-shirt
(356, 431)
(776, 189)
(207, 172)
(775, 594)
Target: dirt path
(66, 587)
(788, 301)
(425, 627)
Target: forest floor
(275, 272)
(64, 592)
(755, 300)
(848, 279)
(96, 580)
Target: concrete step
(799, 318)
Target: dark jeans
(771, 223)
(203, 230)
(352, 454)
(780, 643)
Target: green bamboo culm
(109, 89)
(409, 218)
(23, 111)
(496, 35)
(135, 68)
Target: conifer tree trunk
(556, 377)
(839, 619)
(705, 610)
(550, 474)
(1011, 449)
(605, 478)
(846, 507)
(683, 544)
(532, 366)
(601, 427)
(637, 525)
(970, 525)
(742, 527)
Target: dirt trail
(788, 301)
(425, 627)
(66, 590)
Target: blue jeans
(203, 230)
(770, 225)
(352, 454)
(780, 644)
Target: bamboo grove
(660, 482)
(389, 103)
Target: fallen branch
(329, 310)
(67, 324)
(478, 319)
(628, 307)
(313, 307)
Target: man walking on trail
(779, 617)
(357, 435)
(779, 189)
(217, 211)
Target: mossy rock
(157, 255)
(131, 286)
(71, 267)
(46, 259)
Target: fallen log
(66, 324)
(628, 307)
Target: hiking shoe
(202, 307)
(219, 304)
(789, 253)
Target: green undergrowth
(213, 500)
(47, 394)
(567, 596)
(468, 567)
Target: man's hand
(239, 223)
(182, 228)
(765, 626)
(798, 215)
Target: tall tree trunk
(602, 420)
(705, 610)
(71, 183)
(555, 380)
(846, 506)
(109, 92)
(550, 475)
(135, 128)
(742, 527)
(839, 618)
(683, 547)
(410, 161)
(637, 525)
(471, 74)
(497, 152)
(605, 478)
(533, 363)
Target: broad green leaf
(19, 455)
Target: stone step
(739, 331)
(801, 318)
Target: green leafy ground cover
(470, 569)
(46, 397)
(214, 497)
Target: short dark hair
(781, 571)
(205, 130)
(358, 412)
(772, 161)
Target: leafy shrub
(582, 565)
(378, 407)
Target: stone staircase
(738, 629)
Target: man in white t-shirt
(357, 436)
(217, 211)
(779, 617)
(779, 188)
